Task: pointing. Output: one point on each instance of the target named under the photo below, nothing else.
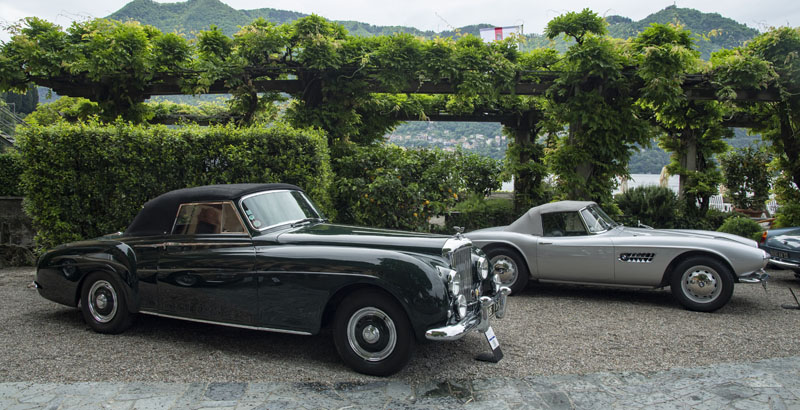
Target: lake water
(635, 181)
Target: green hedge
(742, 226)
(390, 187)
(652, 205)
(87, 179)
(10, 170)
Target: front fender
(60, 272)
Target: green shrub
(742, 226)
(788, 215)
(10, 170)
(651, 205)
(478, 212)
(389, 187)
(87, 179)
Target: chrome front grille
(461, 261)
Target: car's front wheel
(372, 333)
(103, 304)
(510, 267)
(702, 284)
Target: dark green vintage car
(262, 256)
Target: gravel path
(549, 330)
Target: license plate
(781, 254)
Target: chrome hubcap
(371, 334)
(102, 301)
(701, 284)
(505, 268)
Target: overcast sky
(434, 15)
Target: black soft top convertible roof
(158, 214)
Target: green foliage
(10, 170)
(596, 100)
(747, 177)
(788, 215)
(389, 187)
(654, 206)
(87, 179)
(478, 212)
(576, 25)
(22, 103)
(742, 226)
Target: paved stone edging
(771, 383)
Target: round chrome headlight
(461, 306)
(483, 267)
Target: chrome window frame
(250, 223)
(233, 206)
(585, 225)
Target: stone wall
(15, 226)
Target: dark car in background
(263, 256)
(783, 245)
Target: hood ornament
(459, 230)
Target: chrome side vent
(637, 257)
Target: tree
(595, 99)
(691, 130)
(747, 177)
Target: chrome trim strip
(362, 275)
(265, 329)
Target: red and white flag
(499, 33)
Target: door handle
(545, 243)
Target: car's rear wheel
(511, 268)
(702, 284)
(372, 333)
(103, 304)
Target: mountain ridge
(712, 31)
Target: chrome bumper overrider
(758, 276)
(479, 322)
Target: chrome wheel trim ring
(701, 284)
(507, 268)
(101, 295)
(371, 332)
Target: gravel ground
(549, 329)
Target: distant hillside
(194, 15)
(712, 31)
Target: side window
(231, 223)
(562, 224)
(211, 218)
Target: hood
(357, 236)
(790, 240)
(690, 233)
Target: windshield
(596, 220)
(271, 208)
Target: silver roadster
(576, 242)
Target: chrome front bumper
(784, 264)
(476, 322)
(758, 276)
